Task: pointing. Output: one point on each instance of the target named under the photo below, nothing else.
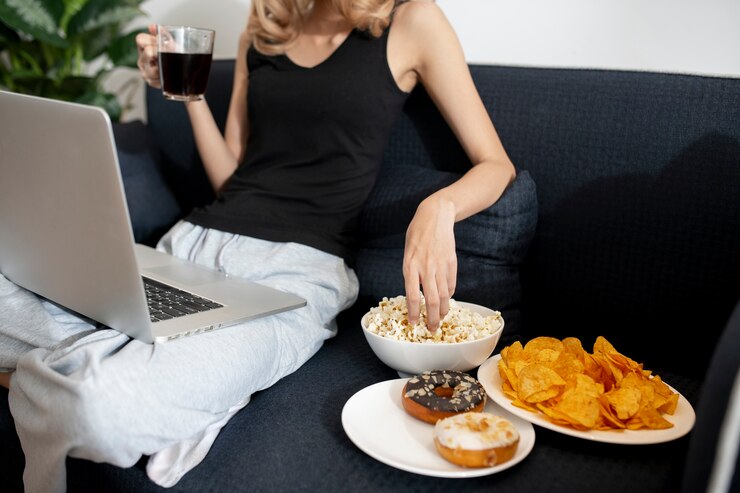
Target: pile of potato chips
(603, 390)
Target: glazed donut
(434, 395)
(476, 439)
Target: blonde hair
(274, 24)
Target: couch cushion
(152, 207)
(170, 127)
(490, 245)
(637, 180)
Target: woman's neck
(322, 32)
(324, 19)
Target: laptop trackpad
(186, 274)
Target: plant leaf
(37, 18)
(71, 7)
(41, 39)
(7, 34)
(99, 13)
(54, 7)
(95, 43)
(74, 87)
(28, 53)
(27, 83)
(123, 52)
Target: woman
(317, 87)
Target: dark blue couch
(637, 238)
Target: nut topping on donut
(476, 439)
(434, 395)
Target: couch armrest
(713, 418)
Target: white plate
(683, 419)
(374, 419)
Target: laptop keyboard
(166, 302)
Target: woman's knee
(87, 412)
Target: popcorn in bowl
(461, 324)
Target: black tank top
(316, 142)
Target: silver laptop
(65, 232)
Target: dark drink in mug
(185, 55)
(184, 75)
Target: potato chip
(554, 415)
(607, 413)
(601, 390)
(652, 419)
(669, 407)
(593, 369)
(538, 383)
(580, 382)
(625, 401)
(512, 353)
(601, 345)
(573, 346)
(580, 409)
(540, 343)
(519, 403)
(508, 375)
(508, 391)
(566, 364)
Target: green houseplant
(64, 49)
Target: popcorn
(390, 319)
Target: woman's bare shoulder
(419, 19)
(241, 56)
(244, 41)
(418, 12)
(423, 29)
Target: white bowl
(411, 358)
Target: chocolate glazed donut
(437, 394)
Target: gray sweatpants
(96, 394)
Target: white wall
(684, 36)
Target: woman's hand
(429, 259)
(148, 62)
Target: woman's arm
(423, 47)
(221, 154)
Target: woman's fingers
(147, 62)
(431, 302)
(436, 281)
(413, 292)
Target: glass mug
(185, 55)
